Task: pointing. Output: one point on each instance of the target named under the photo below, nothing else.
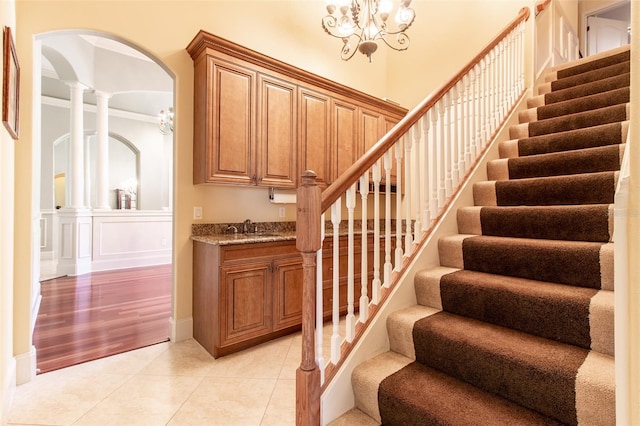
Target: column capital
(76, 85)
(102, 94)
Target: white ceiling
(135, 82)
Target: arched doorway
(102, 97)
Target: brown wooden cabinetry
(246, 294)
(259, 121)
(315, 134)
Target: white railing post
(388, 267)
(426, 165)
(351, 318)
(364, 267)
(408, 196)
(399, 252)
(418, 182)
(319, 304)
(336, 218)
(376, 285)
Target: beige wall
(446, 36)
(7, 365)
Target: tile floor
(168, 384)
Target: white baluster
(476, 113)
(351, 318)
(447, 145)
(458, 113)
(468, 121)
(408, 195)
(388, 267)
(319, 306)
(376, 285)
(336, 218)
(418, 180)
(364, 267)
(426, 165)
(433, 162)
(399, 252)
(442, 149)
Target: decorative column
(75, 221)
(102, 151)
(87, 169)
(76, 147)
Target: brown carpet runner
(516, 324)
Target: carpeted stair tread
(537, 373)
(588, 188)
(580, 120)
(602, 135)
(577, 223)
(419, 395)
(414, 394)
(579, 263)
(589, 65)
(599, 100)
(576, 92)
(516, 324)
(554, 311)
(589, 76)
(589, 160)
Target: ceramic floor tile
(281, 410)
(61, 397)
(263, 361)
(142, 400)
(185, 358)
(226, 401)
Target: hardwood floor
(95, 315)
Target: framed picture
(10, 85)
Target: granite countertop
(267, 232)
(249, 238)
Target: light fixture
(166, 121)
(361, 23)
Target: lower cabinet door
(245, 302)
(287, 304)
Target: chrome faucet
(247, 226)
(232, 228)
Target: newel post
(308, 240)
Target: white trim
(181, 329)
(26, 366)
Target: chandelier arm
(402, 41)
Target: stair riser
(572, 223)
(594, 188)
(580, 264)
(567, 314)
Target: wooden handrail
(542, 5)
(353, 173)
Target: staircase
(516, 325)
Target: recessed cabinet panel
(287, 293)
(344, 131)
(247, 301)
(233, 134)
(315, 135)
(277, 118)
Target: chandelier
(360, 23)
(166, 121)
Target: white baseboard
(26, 366)
(8, 391)
(130, 262)
(181, 329)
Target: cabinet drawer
(243, 253)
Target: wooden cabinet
(277, 121)
(259, 121)
(224, 146)
(315, 134)
(245, 294)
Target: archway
(123, 89)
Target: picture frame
(10, 85)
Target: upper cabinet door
(230, 136)
(315, 135)
(344, 133)
(277, 162)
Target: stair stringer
(338, 397)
